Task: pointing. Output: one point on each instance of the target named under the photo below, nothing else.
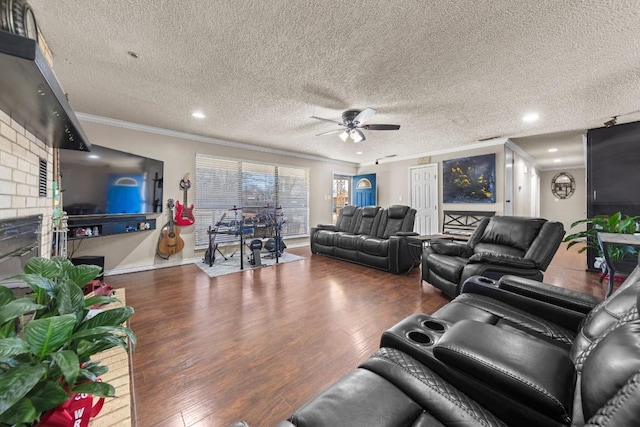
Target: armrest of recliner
(452, 248)
(552, 294)
(330, 227)
(558, 314)
(533, 372)
(502, 259)
(406, 233)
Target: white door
(424, 198)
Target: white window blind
(222, 184)
(218, 189)
(293, 195)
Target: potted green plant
(47, 340)
(616, 223)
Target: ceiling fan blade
(380, 127)
(331, 131)
(327, 120)
(364, 115)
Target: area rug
(232, 264)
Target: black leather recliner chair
(500, 245)
(498, 361)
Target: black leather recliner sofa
(370, 236)
(500, 245)
(514, 352)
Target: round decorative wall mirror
(563, 185)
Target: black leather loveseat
(509, 353)
(371, 236)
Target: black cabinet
(613, 172)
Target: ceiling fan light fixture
(352, 124)
(357, 135)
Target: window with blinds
(222, 184)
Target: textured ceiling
(451, 73)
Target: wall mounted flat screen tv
(110, 182)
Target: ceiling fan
(352, 124)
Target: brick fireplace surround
(20, 154)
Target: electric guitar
(210, 253)
(170, 241)
(184, 214)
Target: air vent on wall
(42, 178)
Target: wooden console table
(117, 411)
(607, 240)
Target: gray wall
(130, 252)
(564, 210)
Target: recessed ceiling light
(358, 152)
(198, 115)
(557, 160)
(93, 156)
(552, 150)
(531, 117)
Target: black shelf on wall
(98, 226)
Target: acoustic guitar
(184, 214)
(170, 241)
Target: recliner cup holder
(486, 280)
(419, 337)
(433, 325)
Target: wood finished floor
(257, 345)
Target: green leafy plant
(616, 223)
(47, 340)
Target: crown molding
(559, 168)
(200, 138)
(520, 152)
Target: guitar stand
(210, 253)
(221, 254)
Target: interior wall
(393, 181)
(568, 210)
(130, 252)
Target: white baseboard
(116, 271)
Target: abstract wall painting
(469, 179)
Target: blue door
(364, 190)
